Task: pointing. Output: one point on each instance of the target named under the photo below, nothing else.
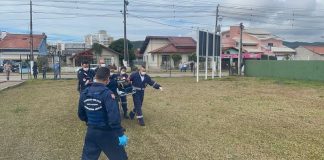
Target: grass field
(232, 118)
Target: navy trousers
(123, 100)
(99, 140)
(138, 98)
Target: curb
(12, 86)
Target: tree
(176, 59)
(118, 46)
(193, 57)
(97, 50)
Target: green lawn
(232, 118)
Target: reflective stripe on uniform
(139, 116)
(137, 88)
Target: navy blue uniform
(139, 83)
(83, 76)
(123, 99)
(100, 112)
(113, 85)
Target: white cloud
(292, 20)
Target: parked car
(15, 67)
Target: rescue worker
(98, 108)
(139, 81)
(123, 98)
(101, 64)
(113, 84)
(85, 76)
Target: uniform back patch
(92, 104)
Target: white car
(92, 66)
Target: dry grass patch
(233, 118)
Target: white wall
(305, 54)
(16, 55)
(114, 57)
(153, 45)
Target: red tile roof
(170, 48)
(182, 41)
(179, 44)
(176, 45)
(89, 52)
(20, 41)
(315, 49)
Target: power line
(149, 20)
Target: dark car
(15, 67)
(1, 69)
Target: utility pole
(31, 32)
(31, 38)
(239, 71)
(126, 58)
(214, 44)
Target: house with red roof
(14, 46)
(255, 42)
(110, 57)
(309, 53)
(158, 50)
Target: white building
(101, 37)
(158, 50)
(309, 53)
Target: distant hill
(297, 44)
(137, 44)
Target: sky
(71, 20)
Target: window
(108, 61)
(270, 44)
(152, 57)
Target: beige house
(110, 56)
(157, 50)
(309, 53)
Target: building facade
(110, 56)
(17, 46)
(309, 53)
(255, 41)
(157, 51)
(101, 37)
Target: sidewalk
(8, 84)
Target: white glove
(161, 88)
(87, 82)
